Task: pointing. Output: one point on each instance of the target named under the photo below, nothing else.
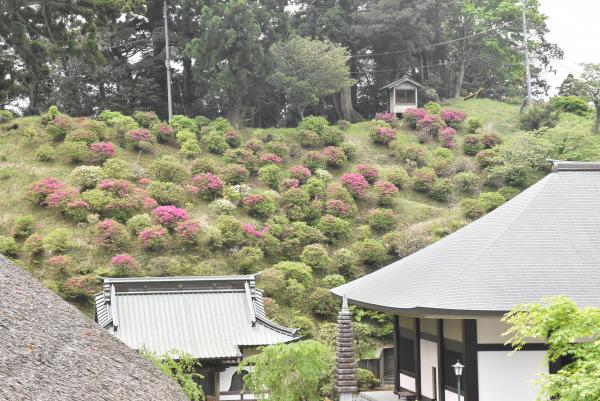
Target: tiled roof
(50, 351)
(207, 317)
(544, 242)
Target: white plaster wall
(489, 331)
(225, 377)
(451, 396)
(429, 359)
(504, 376)
(407, 382)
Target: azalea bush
(381, 219)
(334, 228)
(124, 265)
(385, 192)
(471, 145)
(309, 139)
(85, 177)
(101, 151)
(490, 139)
(154, 238)
(423, 179)
(335, 156)
(386, 117)
(382, 135)
(39, 191)
(313, 160)
(166, 193)
(369, 172)
(300, 173)
(413, 115)
(169, 215)
(139, 139)
(234, 174)
(188, 231)
(270, 158)
(209, 185)
(270, 175)
(260, 205)
(453, 118)
(111, 234)
(447, 137)
(79, 287)
(232, 138)
(355, 183)
(253, 231)
(332, 136)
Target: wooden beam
(470, 373)
(418, 358)
(396, 353)
(441, 362)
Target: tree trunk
(188, 88)
(597, 122)
(342, 101)
(460, 79)
(235, 112)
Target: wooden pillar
(396, 353)
(418, 358)
(470, 373)
(441, 361)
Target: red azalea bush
(490, 140)
(413, 115)
(209, 185)
(61, 197)
(188, 231)
(385, 191)
(447, 137)
(139, 139)
(119, 188)
(300, 173)
(124, 264)
(154, 238)
(270, 158)
(429, 127)
(369, 172)
(335, 156)
(383, 135)
(39, 191)
(101, 151)
(453, 118)
(80, 286)
(112, 234)
(250, 229)
(169, 216)
(387, 117)
(163, 132)
(356, 184)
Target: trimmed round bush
(334, 228)
(117, 169)
(385, 192)
(112, 234)
(309, 139)
(423, 179)
(97, 199)
(300, 272)
(332, 136)
(306, 327)
(154, 238)
(441, 190)
(355, 183)
(471, 145)
(80, 287)
(471, 208)
(5, 116)
(382, 135)
(381, 219)
(188, 231)
(85, 177)
(350, 150)
(220, 207)
(313, 160)
(335, 156)
(279, 148)
(198, 166)
(366, 380)
(124, 265)
(234, 174)
(190, 149)
(453, 118)
(138, 222)
(58, 241)
(270, 175)
(474, 124)
(491, 200)
(209, 186)
(184, 135)
(45, 153)
(260, 205)
(166, 193)
(410, 152)
(316, 256)
(466, 182)
(247, 259)
(369, 172)
(180, 122)
(490, 139)
(398, 176)
(272, 281)
(323, 304)
(168, 169)
(33, 246)
(24, 226)
(344, 125)
(432, 108)
(332, 280)
(8, 246)
(300, 173)
(215, 142)
(314, 123)
(370, 252)
(244, 157)
(169, 216)
(74, 152)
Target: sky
(575, 28)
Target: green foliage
(467, 182)
(168, 169)
(300, 272)
(442, 190)
(166, 193)
(74, 152)
(316, 124)
(370, 252)
(24, 226)
(247, 259)
(272, 281)
(8, 246)
(33, 246)
(433, 108)
(572, 104)
(334, 228)
(491, 200)
(215, 142)
(270, 175)
(323, 304)
(332, 281)
(309, 139)
(182, 368)
(304, 324)
(190, 149)
(539, 115)
(117, 169)
(424, 178)
(381, 219)
(397, 176)
(5, 116)
(85, 176)
(97, 199)
(366, 379)
(180, 123)
(471, 208)
(332, 136)
(45, 153)
(138, 222)
(316, 256)
(58, 241)
(474, 124)
(563, 324)
(288, 372)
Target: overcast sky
(574, 27)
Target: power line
(428, 65)
(431, 45)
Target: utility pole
(526, 48)
(168, 63)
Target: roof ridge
(568, 165)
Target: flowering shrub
(251, 230)
(76, 210)
(313, 160)
(413, 115)
(79, 286)
(163, 132)
(300, 173)
(145, 119)
(59, 127)
(259, 205)
(215, 142)
(221, 207)
(119, 188)
(441, 190)
(429, 127)
(124, 264)
(169, 216)
(335, 156)
(270, 158)
(39, 191)
(254, 145)
(289, 183)
(453, 118)
(386, 117)
(471, 145)
(139, 139)
(209, 186)
(485, 158)
(59, 263)
(332, 136)
(202, 166)
(334, 228)
(397, 176)
(473, 125)
(85, 177)
(60, 197)
(278, 148)
(369, 172)
(424, 179)
(112, 234)
(490, 140)
(447, 137)
(385, 191)
(165, 193)
(338, 208)
(382, 135)
(58, 241)
(188, 231)
(270, 175)
(381, 219)
(101, 151)
(233, 138)
(154, 238)
(309, 139)
(234, 174)
(410, 153)
(356, 184)
(74, 152)
(244, 157)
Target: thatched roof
(51, 351)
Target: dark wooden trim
(396, 353)
(470, 372)
(508, 347)
(418, 357)
(441, 362)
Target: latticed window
(405, 96)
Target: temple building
(402, 94)
(448, 298)
(218, 320)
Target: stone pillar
(345, 362)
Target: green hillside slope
(66, 224)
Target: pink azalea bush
(209, 185)
(447, 137)
(387, 117)
(112, 234)
(335, 156)
(145, 181)
(250, 229)
(233, 138)
(270, 158)
(164, 133)
(338, 208)
(39, 191)
(124, 264)
(385, 191)
(413, 115)
(76, 209)
(101, 151)
(453, 118)
(383, 135)
(289, 183)
(369, 172)
(300, 173)
(139, 139)
(80, 286)
(188, 231)
(259, 205)
(59, 263)
(169, 216)
(119, 188)
(154, 238)
(61, 197)
(355, 183)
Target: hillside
(238, 202)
